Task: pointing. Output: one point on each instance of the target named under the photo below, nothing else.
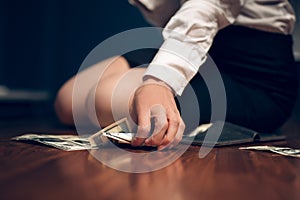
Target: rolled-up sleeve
(188, 36)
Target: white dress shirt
(189, 33)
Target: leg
(111, 70)
(248, 106)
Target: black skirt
(259, 74)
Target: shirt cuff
(176, 63)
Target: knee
(63, 107)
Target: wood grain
(32, 171)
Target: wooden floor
(33, 172)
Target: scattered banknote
(120, 131)
(64, 142)
(286, 151)
(117, 132)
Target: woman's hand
(153, 102)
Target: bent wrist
(151, 80)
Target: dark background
(43, 43)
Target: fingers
(160, 126)
(143, 129)
(157, 115)
(173, 136)
(168, 131)
(155, 104)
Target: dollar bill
(286, 151)
(63, 142)
(118, 132)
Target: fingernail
(148, 140)
(160, 148)
(133, 142)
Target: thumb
(143, 129)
